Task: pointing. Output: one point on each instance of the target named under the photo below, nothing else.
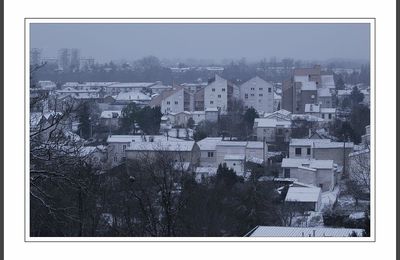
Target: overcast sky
(106, 42)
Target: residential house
(111, 119)
(321, 149)
(180, 151)
(305, 197)
(319, 173)
(117, 145)
(272, 130)
(236, 162)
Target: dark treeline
(151, 69)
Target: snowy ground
(329, 198)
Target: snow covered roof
(211, 109)
(182, 146)
(303, 194)
(305, 83)
(254, 144)
(307, 117)
(333, 145)
(324, 92)
(307, 163)
(328, 110)
(327, 81)
(138, 138)
(234, 157)
(277, 231)
(111, 114)
(208, 170)
(272, 122)
(307, 142)
(254, 160)
(131, 85)
(365, 151)
(277, 96)
(209, 143)
(132, 96)
(312, 108)
(198, 113)
(232, 143)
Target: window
(219, 96)
(124, 147)
(260, 95)
(252, 88)
(260, 89)
(286, 173)
(115, 158)
(234, 164)
(223, 90)
(211, 102)
(330, 116)
(176, 102)
(246, 95)
(168, 102)
(269, 90)
(213, 90)
(308, 151)
(252, 95)
(210, 154)
(297, 151)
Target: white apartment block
(219, 94)
(258, 94)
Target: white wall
(258, 94)
(169, 104)
(219, 97)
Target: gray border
(202, 18)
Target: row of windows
(297, 151)
(213, 89)
(169, 103)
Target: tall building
(68, 59)
(75, 59)
(220, 94)
(307, 86)
(64, 59)
(258, 94)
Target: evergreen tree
(84, 120)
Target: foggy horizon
(205, 41)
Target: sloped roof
(307, 163)
(303, 194)
(132, 96)
(234, 157)
(277, 231)
(156, 101)
(111, 113)
(312, 108)
(182, 146)
(271, 122)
